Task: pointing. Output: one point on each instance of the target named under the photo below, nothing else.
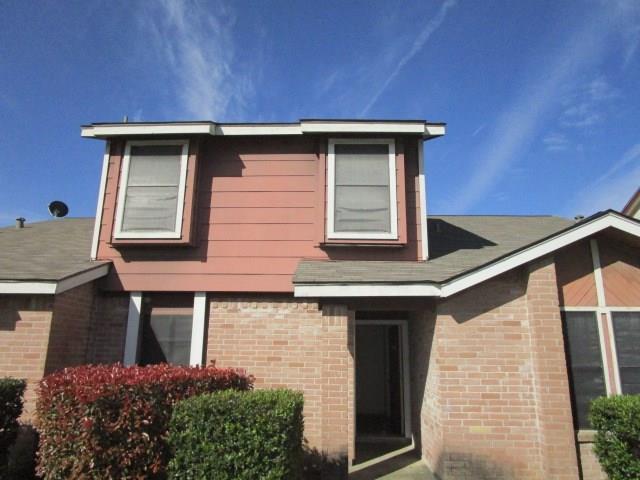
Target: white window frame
(331, 185)
(124, 180)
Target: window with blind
(361, 189)
(166, 336)
(151, 196)
(585, 363)
(626, 328)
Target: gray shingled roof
(457, 244)
(51, 250)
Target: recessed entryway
(382, 405)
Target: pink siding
(259, 209)
(576, 282)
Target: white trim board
(422, 187)
(119, 234)
(103, 186)
(49, 287)
(427, 130)
(331, 190)
(538, 250)
(198, 325)
(132, 337)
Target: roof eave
(424, 129)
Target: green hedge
(11, 392)
(617, 443)
(237, 435)
(105, 422)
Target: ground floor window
(586, 333)
(167, 321)
(584, 358)
(626, 328)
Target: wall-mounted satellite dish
(58, 209)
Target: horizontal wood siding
(259, 209)
(620, 273)
(576, 282)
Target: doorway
(382, 380)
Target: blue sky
(541, 97)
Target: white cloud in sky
(556, 142)
(521, 120)
(194, 42)
(419, 42)
(612, 189)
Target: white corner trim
(597, 272)
(331, 185)
(541, 249)
(122, 192)
(422, 187)
(52, 287)
(132, 338)
(197, 328)
(367, 290)
(614, 352)
(100, 205)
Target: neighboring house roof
(48, 257)
(632, 208)
(464, 250)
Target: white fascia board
(235, 130)
(100, 131)
(432, 130)
(30, 288)
(367, 290)
(447, 289)
(82, 278)
(362, 127)
(51, 287)
(540, 250)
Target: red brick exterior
(40, 334)
(294, 344)
(489, 385)
(496, 402)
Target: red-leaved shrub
(111, 421)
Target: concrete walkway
(407, 466)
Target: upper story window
(361, 201)
(152, 185)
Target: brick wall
(295, 344)
(497, 400)
(590, 468)
(70, 328)
(25, 321)
(108, 333)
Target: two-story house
(304, 253)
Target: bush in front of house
(11, 403)
(111, 421)
(237, 435)
(617, 442)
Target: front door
(379, 380)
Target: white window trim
(331, 184)
(124, 177)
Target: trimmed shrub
(111, 421)
(617, 442)
(237, 435)
(11, 403)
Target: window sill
(124, 242)
(362, 243)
